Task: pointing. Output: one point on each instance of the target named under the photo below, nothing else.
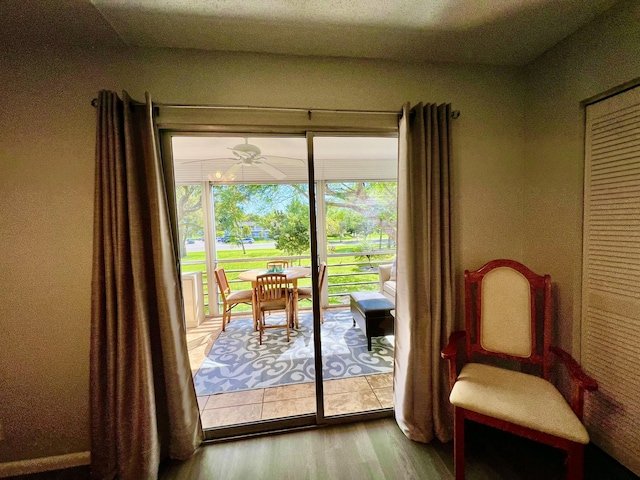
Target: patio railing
(343, 276)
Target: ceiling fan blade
(205, 160)
(283, 160)
(273, 171)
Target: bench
(372, 312)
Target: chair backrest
(277, 264)
(271, 286)
(322, 274)
(508, 313)
(223, 284)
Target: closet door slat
(610, 329)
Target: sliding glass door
(318, 204)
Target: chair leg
(224, 316)
(575, 462)
(289, 311)
(458, 443)
(288, 326)
(261, 325)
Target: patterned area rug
(237, 361)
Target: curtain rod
(281, 109)
(308, 111)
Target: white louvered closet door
(610, 333)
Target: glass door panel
(356, 191)
(258, 211)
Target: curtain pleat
(424, 295)
(143, 405)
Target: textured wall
(46, 180)
(601, 56)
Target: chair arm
(450, 353)
(384, 272)
(581, 381)
(451, 350)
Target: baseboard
(44, 464)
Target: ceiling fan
(248, 155)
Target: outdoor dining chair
(277, 265)
(230, 299)
(306, 293)
(272, 294)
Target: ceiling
(204, 158)
(499, 32)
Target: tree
(343, 221)
(356, 207)
(365, 246)
(229, 212)
(189, 212)
(290, 229)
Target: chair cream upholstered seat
(389, 289)
(306, 291)
(240, 296)
(518, 398)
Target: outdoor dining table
(292, 273)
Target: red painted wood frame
(541, 301)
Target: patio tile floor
(345, 395)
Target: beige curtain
(143, 405)
(424, 298)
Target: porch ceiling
(208, 158)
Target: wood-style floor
(372, 450)
(378, 450)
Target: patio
(355, 393)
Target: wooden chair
(306, 293)
(277, 264)
(508, 317)
(272, 293)
(230, 299)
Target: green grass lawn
(338, 270)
